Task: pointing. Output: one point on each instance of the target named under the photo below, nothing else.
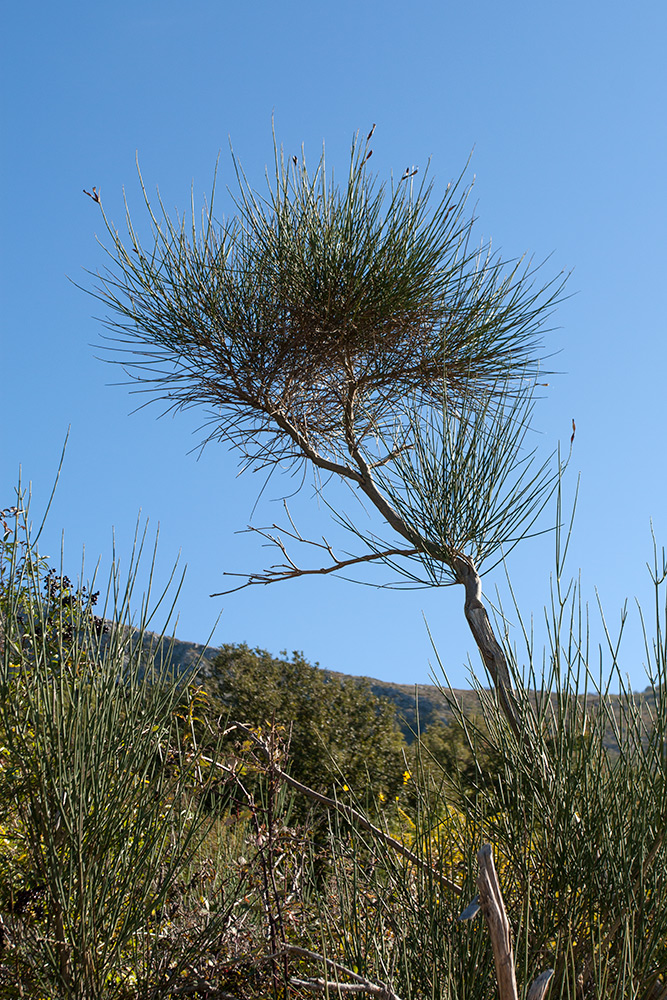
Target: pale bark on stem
(540, 986)
(490, 649)
(493, 909)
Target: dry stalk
(490, 903)
(360, 984)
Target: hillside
(417, 706)
(423, 702)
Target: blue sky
(563, 106)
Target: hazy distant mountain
(417, 706)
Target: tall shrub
(101, 803)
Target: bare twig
(361, 984)
(389, 457)
(290, 571)
(324, 985)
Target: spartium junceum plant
(579, 846)
(359, 331)
(101, 788)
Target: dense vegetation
(151, 848)
(127, 804)
(336, 731)
(272, 833)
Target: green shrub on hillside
(339, 733)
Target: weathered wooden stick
(540, 986)
(493, 908)
(490, 902)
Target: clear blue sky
(564, 105)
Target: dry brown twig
(289, 570)
(360, 984)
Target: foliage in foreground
(101, 808)
(119, 878)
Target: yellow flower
(406, 777)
